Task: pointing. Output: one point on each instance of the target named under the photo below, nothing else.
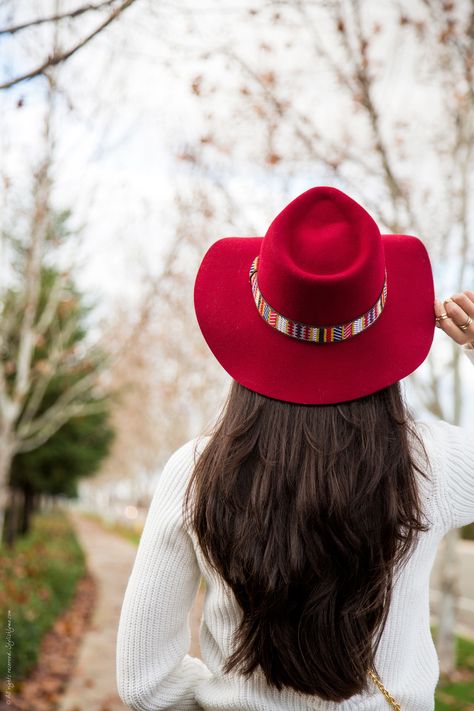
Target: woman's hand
(455, 316)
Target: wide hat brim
(279, 366)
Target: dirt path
(110, 559)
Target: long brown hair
(305, 510)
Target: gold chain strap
(384, 691)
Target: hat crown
(322, 260)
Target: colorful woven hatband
(306, 332)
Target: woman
(314, 508)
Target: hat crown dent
(322, 259)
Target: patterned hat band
(314, 334)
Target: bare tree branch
(6, 405)
(75, 409)
(328, 151)
(432, 398)
(365, 84)
(58, 58)
(62, 403)
(50, 309)
(39, 228)
(38, 387)
(55, 18)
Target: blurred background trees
(159, 128)
(49, 369)
(52, 464)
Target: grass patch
(131, 532)
(38, 578)
(458, 695)
(467, 532)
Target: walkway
(110, 559)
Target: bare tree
(24, 323)
(59, 56)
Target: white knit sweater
(154, 670)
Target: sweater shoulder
(450, 450)
(187, 454)
(180, 464)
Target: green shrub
(38, 578)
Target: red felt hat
(320, 310)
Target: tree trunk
(6, 457)
(12, 517)
(27, 510)
(445, 637)
(36, 502)
(449, 583)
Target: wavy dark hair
(305, 510)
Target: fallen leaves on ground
(42, 690)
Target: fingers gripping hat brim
(279, 366)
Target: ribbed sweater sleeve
(154, 670)
(457, 455)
